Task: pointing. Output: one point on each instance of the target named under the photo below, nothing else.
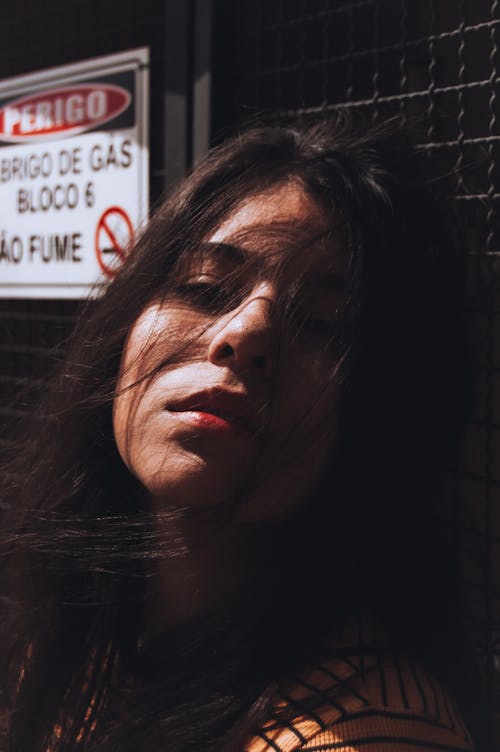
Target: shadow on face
(227, 390)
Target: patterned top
(363, 704)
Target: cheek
(308, 396)
(288, 480)
(126, 407)
(306, 429)
(157, 337)
(161, 333)
(143, 351)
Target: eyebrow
(231, 253)
(331, 282)
(237, 256)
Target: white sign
(74, 170)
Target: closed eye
(209, 296)
(321, 327)
(314, 332)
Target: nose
(241, 340)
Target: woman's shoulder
(370, 703)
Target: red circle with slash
(113, 236)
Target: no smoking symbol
(113, 237)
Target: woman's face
(221, 397)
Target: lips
(227, 408)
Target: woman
(226, 537)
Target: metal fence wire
(440, 61)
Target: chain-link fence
(435, 64)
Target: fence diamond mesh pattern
(437, 64)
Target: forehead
(286, 203)
(279, 220)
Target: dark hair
(79, 543)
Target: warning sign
(113, 239)
(74, 164)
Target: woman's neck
(212, 567)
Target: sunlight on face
(215, 401)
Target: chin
(192, 471)
(191, 482)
